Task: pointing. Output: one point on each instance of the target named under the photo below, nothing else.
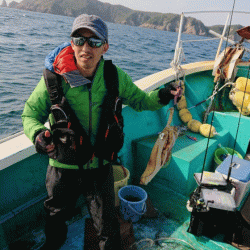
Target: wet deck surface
(150, 233)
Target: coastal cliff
(118, 14)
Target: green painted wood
(187, 159)
(22, 182)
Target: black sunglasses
(92, 41)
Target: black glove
(44, 139)
(64, 136)
(66, 144)
(165, 94)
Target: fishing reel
(197, 206)
(211, 205)
(196, 202)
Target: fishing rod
(202, 195)
(212, 119)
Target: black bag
(110, 135)
(71, 140)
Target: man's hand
(172, 91)
(44, 144)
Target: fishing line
(237, 131)
(210, 97)
(230, 24)
(212, 119)
(210, 130)
(152, 243)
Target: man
(81, 65)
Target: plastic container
(220, 151)
(121, 177)
(221, 200)
(240, 176)
(133, 202)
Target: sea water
(27, 37)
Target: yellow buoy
(183, 111)
(185, 115)
(243, 111)
(239, 97)
(206, 128)
(242, 83)
(194, 125)
(182, 104)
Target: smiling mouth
(86, 56)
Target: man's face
(87, 57)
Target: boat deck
(161, 232)
(23, 173)
(169, 192)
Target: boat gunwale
(24, 148)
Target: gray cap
(93, 23)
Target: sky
(179, 6)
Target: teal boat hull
(23, 183)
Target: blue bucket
(133, 202)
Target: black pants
(64, 186)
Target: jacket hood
(61, 61)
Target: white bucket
(121, 176)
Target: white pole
(225, 39)
(222, 36)
(219, 36)
(177, 47)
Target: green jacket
(37, 107)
